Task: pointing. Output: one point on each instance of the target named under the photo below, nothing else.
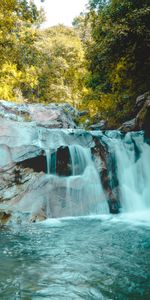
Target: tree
(62, 63)
(39, 65)
(119, 53)
(17, 37)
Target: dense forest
(101, 63)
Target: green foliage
(38, 65)
(13, 82)
(82, 25)
(118, 57)
(101, 64)
(62, 65)
(19, 73)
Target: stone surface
(129, 126)
(143, 117)
(25, 137)
(27, 132)
(141, 112)
(140, 101)
(102, 125)
(50, 116)
(101, 156)
(4, 217)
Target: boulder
(50, 116)
(129, 126)
(4, 217)
(101, 156)
(140, 101)
(102, 125)
(141, 115)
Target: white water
(83, 191)
(48, 160)
(132, 159)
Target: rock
(102, 125)
(143, 117)
(140, 101)
(129, 126)
(70, 109)
(40, 216)
(114, 206)
(4, 217)
(83, 113)
(50, 116)
(101, 155)
(28, 133)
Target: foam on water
(79, 190)
(131, 157)
(83, 191)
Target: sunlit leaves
(13, 81)
(63, 69)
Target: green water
(89, 258)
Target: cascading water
(48, 160)
(80, 158)
(130, 155)
(80, 183)
(81, 192)
(103, 257)
(90, 190)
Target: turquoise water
(89, 258)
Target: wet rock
(26, 137)
(114, 206)
(50, 116)
(100, 153)
(102, 125)
(39, 217)
(140, 101)
(143, 117)
(129, 126)
(106, 166)
(4, 217)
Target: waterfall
(80, 193)
(80, 158)
(131, 158)
(75, 184)
(89, 193)
(48, 160)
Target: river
(91, 258)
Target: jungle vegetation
(101, 63)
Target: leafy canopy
(118, 57)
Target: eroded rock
(141, 112)
(50, 116)
(27, 141)
(129, 126)
(4, 217)
(143, 117)
(102, 125)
